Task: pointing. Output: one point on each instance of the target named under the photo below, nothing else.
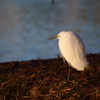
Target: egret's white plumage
(72, 49)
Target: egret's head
(58, 36)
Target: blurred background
(25, 26)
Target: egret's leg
(68, 73)
(76, 76)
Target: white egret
(72, 50)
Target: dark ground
(46, 79)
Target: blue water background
(25, 26)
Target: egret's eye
(58, 36)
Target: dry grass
(46, 79)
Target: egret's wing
(64, 60)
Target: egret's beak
(52, 38)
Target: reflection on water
(25, 26)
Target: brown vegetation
(46, 79)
